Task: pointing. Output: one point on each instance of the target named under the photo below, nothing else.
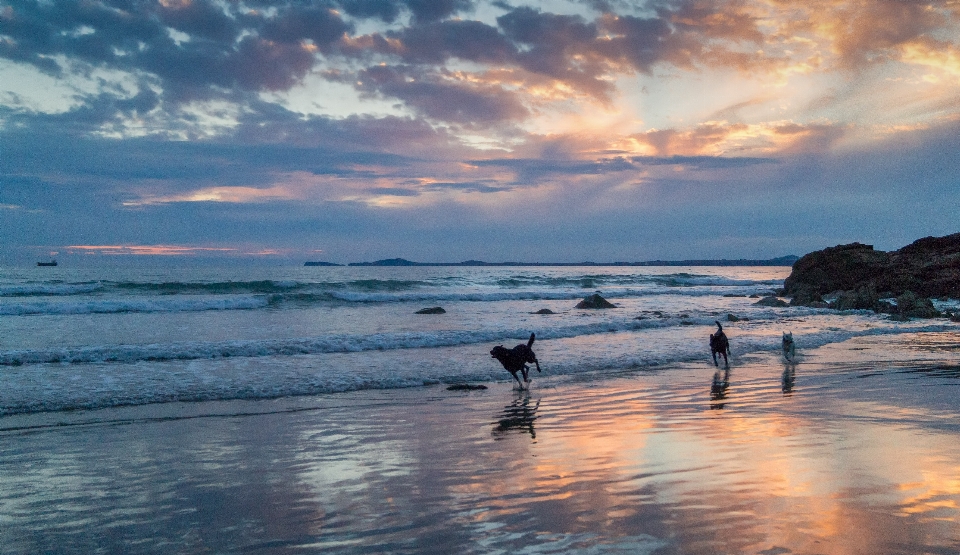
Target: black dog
(516, 359)
(719, 344)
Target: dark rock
(839, 268)
(544, 311)
(434, 310)
(805, 295)
(885, 307)
(686, 323)
(465, 387)
(911, 306)
(928, 267)
(771, 301)
(734, 295)
(732, 318)
(863, 298)
(595, 301)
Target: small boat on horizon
(51, 263)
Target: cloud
(533, 170)
(175, 54)
(440, 41)
(444, 96)
(721, 139)
(602, 123)
(194, 49)
(145, 250)
(393, 192)
(321, 26)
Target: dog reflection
(518, 415)
(788, 378)
(718, 388)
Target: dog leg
(514, 374)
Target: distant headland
(781, 261)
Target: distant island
(781, 261)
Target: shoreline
(858, 454)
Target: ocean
(107, 337)
(305, 410)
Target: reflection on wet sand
(518, 415)
(788, 378)
(718, 388)
(855, 464)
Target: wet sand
(855, 448)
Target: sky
(450, 130)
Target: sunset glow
(354, 118)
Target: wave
(300, 299)
(337, 343)
(350, 343)
(58, 288)
(361, 286)
(49, 289)
(157, 304)
(157, 373)
(680, 279)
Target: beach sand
(855, 448)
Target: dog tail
(719, 327)
(533, 336)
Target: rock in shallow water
(595, 301)
(771, 301)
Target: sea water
(101, 337)
(322, 423)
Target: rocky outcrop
(434, 310)
(840, 268)
(595, 301)
(771, 301)
(856, 276)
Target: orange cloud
(721, 138)
(147, 250)
(220, 194)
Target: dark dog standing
(516, 359)
(719, 344)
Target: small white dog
(789, 348)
